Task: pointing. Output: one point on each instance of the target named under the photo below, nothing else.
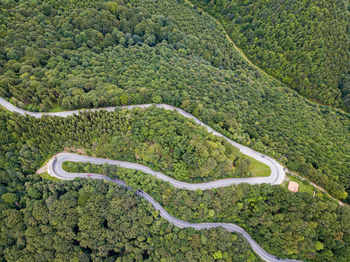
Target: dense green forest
(93, 220)
(310, 228)
(80, 63)
(57, 55)
(268, 213)
(161, 139)
(98, 221)
(306, 44)
(344, 86)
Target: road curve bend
(277, 171)
(54, 168)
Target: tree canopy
(197, 70)
(303, 43)
(98, 221)
(311, 228)
(59, 55)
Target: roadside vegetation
(304, 185)
(99, 53)
(308, 226)
(96, 221)
(160, 139)
(46, 176)
(28, 142)
(70, 54)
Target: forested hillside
(59, 55)
(97, 221)
(110, 62)
(312, 228)
(160, 139)
(306, 44)
(344, 86)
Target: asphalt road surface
(277, 171)
(55, 169)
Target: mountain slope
(163, 51)
(303, 43)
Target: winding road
(276, 177)
(54, 168)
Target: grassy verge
(46, 176)
(57, 108)
(257, 168)
(304, 185)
